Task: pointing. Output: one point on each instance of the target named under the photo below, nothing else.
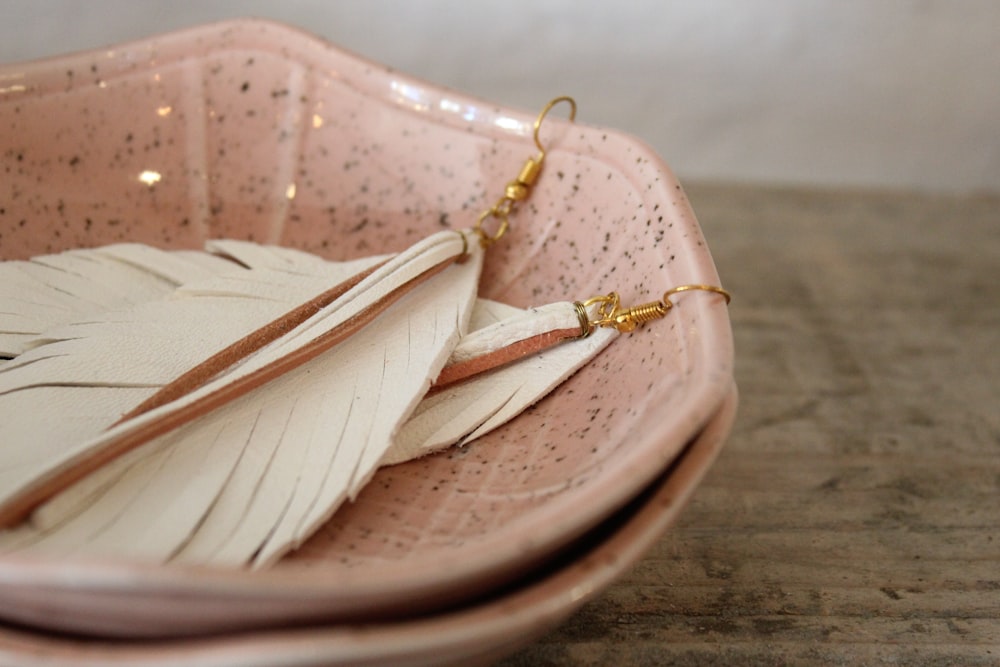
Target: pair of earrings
(118, 446)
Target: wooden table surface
(854, 515)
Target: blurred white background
(870, 93)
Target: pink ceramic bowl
(257, 131)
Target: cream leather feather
(258, 475)
(85, 374)
(95, 371)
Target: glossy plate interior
(253, 130)
(476, 634)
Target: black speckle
(245, 87)
(890, 593)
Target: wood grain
(854, 516)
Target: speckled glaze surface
(473, 635)
(253, 130)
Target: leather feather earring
(285, 413)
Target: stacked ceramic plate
(257, 131)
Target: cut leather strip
(463, 370)
(507, 382)
(519, 334)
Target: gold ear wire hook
(686, 288)
(519, 189)
(545, 112)
(611, 314)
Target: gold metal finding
(611, 314)
(628, 319)
(545, 111)
(518, 189)
(586, 328)
(686, 288)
